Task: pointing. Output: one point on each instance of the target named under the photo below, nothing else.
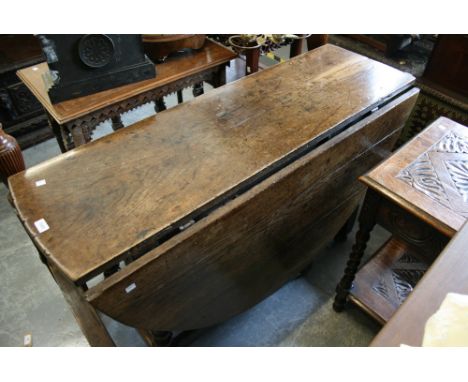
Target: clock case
(80, 65)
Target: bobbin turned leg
(367, 220)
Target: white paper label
(41, 225)
(27, 340)
(130, 288)
(40, 183)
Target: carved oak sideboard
(192, 216)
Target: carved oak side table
(73, 121)
(420, 195)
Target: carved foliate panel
(397, 282)
(441, 173)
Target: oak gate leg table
(73, 121)
(194, 215)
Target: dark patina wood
(185, 154)
(269, 238)
(212, 204)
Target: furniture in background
(313, 41)
(11, 157)
(194, 215)
(252, 56)
(252, 50)
(446, 275)
(389, 44)
(448, 64)
(21, 114)
(84, 64)
(419, 194)
(159, 46)
(73, 121)
(444, 86)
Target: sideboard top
(103, 199)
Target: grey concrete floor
(298, 314)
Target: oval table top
(104, 198)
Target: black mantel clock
(80, 65)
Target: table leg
(78, 135)
(367, 221)
(87, 317)
(159, 105)
(156, 337)
(180, 98)
(117, 123)
(219, 78)
(58, 132)
(198, 89)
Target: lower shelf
(383, 284)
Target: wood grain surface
(105, 198)
(447, 274)
(173, 69)
(245, 250)
(378, 287)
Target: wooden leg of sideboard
(198, 89)
(87, 317)
(117, 123)
(159, 105)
